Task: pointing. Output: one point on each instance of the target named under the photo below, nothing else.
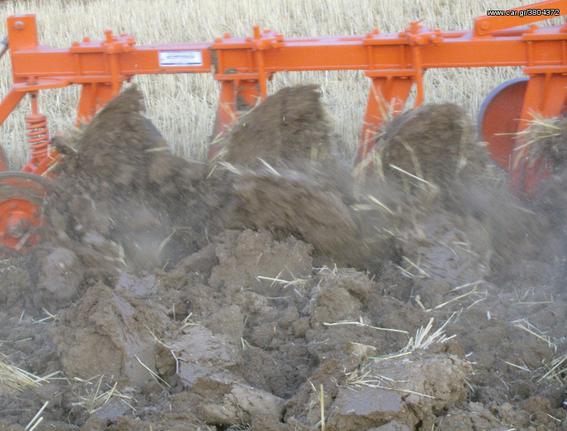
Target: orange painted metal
(18, 218)
(546, 95)
(499, 119)
(21, 210)
(38, 136)
(393, 62)
(499, 116)
(235, 96)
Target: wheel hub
(22, 198)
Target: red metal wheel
(22, 198)
(499, 118)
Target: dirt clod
(108, 333)
(406, 390)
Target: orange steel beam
(88, 62)
(91, 61)
(9, 103)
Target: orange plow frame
(393, 62)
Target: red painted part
(38, 136)
(499, 120)
(235, 97)
(21, 215)
(20, 221)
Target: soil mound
(289, 127)
(288, 178)
(431, 164)
(434, 142)
(291, 202)
(123, 195)
(545, 140)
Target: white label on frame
(180, 58)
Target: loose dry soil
(269, 290)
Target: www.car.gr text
(524, 12)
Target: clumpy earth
(271, 290)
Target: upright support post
(242, 87)
(545, 95)
(249, 93)
(388, 96)
(94, 97)
(8, 104)
(235, 96)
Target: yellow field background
(183, 106)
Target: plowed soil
(269, 290)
